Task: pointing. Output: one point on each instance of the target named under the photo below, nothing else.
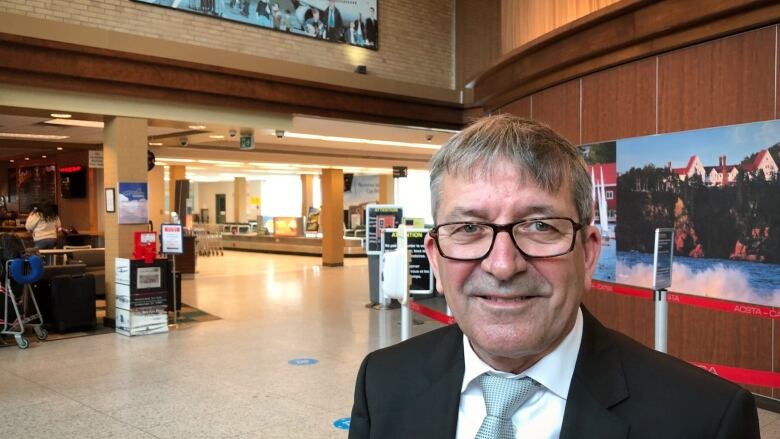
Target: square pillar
(307, 193)
(239, 199)
(386, 189)
(332, 217)
(124, 160)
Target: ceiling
(310, 144)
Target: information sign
(378, 218)
(419, 266)
(171, 239)
(662, 258)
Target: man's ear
(591, 248)
(433, 257)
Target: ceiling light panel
(75, 123)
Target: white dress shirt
(542, 415)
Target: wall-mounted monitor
(73, 182)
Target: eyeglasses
(533, 238)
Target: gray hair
(533, 148)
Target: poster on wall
(600, 158)
(132, 202)
(719, 190)
(352, 22)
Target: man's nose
(505, 260)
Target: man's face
(514, 310)
(331, 3)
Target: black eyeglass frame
(497, 228)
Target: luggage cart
(17, 312)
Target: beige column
(175, 173)
(332, 217)
(386, 189)
(239, 199)
(307, 195)
(156, 180)
(124, 160)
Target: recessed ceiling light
(155, 143)
(59, 148)
(61, 115)
(27, 158)
(12, 160)
(168, 159)
(197, 127)
(76, 123)
(217, 137)
(43, 156)
(358, 140)
(33, 136)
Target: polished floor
(229, 378)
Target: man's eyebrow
(477, 214)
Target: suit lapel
(598, 385)
(434, 410)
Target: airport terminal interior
(231, 179)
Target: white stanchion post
(406, 318)
(406, 321)
(661, 319)
(175, 304)
(663, 256)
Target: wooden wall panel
(619, 102)
(520, 107)
(724, 82)
(559, 107)
(477, 38)
(728, 339)
(632, 316)
(525, 20)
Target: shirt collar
(553, 371)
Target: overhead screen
(352, 22)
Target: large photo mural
(719, 189)
(351, 22)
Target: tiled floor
(226, 378)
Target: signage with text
(378, 218)
(171, 239)
(419, 266)
(662, 259)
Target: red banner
(766, 312)
(431, 313)
(738, 375)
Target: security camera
(429, 137)
(232, 133)
(279, 134)
(183, 141)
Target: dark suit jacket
(620, 389)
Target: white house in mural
(694, 167)
(713, 175)
(764, 162)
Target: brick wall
(416, 37)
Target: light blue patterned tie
(503, 396)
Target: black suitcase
(73, 303)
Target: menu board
(36, 185)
